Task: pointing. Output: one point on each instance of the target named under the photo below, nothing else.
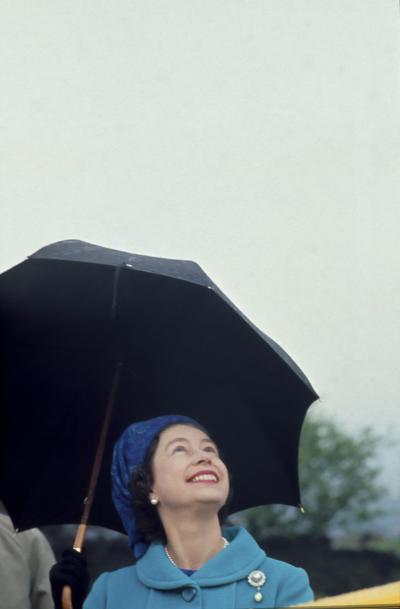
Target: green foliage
(338, 479)
(384, 545)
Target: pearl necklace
(225, 541)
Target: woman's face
(187, 470)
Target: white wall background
(257, 137)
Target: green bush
(338, 479)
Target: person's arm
(41, 558)
(15, 578)
(295, 589)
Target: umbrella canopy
(69, 314)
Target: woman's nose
(203, 459)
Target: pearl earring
(153, 501)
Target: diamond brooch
(257, 579)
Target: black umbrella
(74, 317)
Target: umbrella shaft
(80, 537)
(88, 501)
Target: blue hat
(129, 452)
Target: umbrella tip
(302, 510)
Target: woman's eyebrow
(208, 440)
(176, 440)
(187, 441)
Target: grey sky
(259, 138)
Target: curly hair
(147, 518)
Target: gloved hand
(72, 570)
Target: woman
(170, 486)
(25, 560)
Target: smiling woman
(170, 487)
(168, 453)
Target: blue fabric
(155, 583)
(129, 452)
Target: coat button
(188, 594)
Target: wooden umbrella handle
(66, 598)
(66, 595)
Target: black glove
(72, 570)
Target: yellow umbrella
(387, 595)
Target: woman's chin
(209, 499)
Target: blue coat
(221, 583)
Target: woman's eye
(179, 448)
(210, 449)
